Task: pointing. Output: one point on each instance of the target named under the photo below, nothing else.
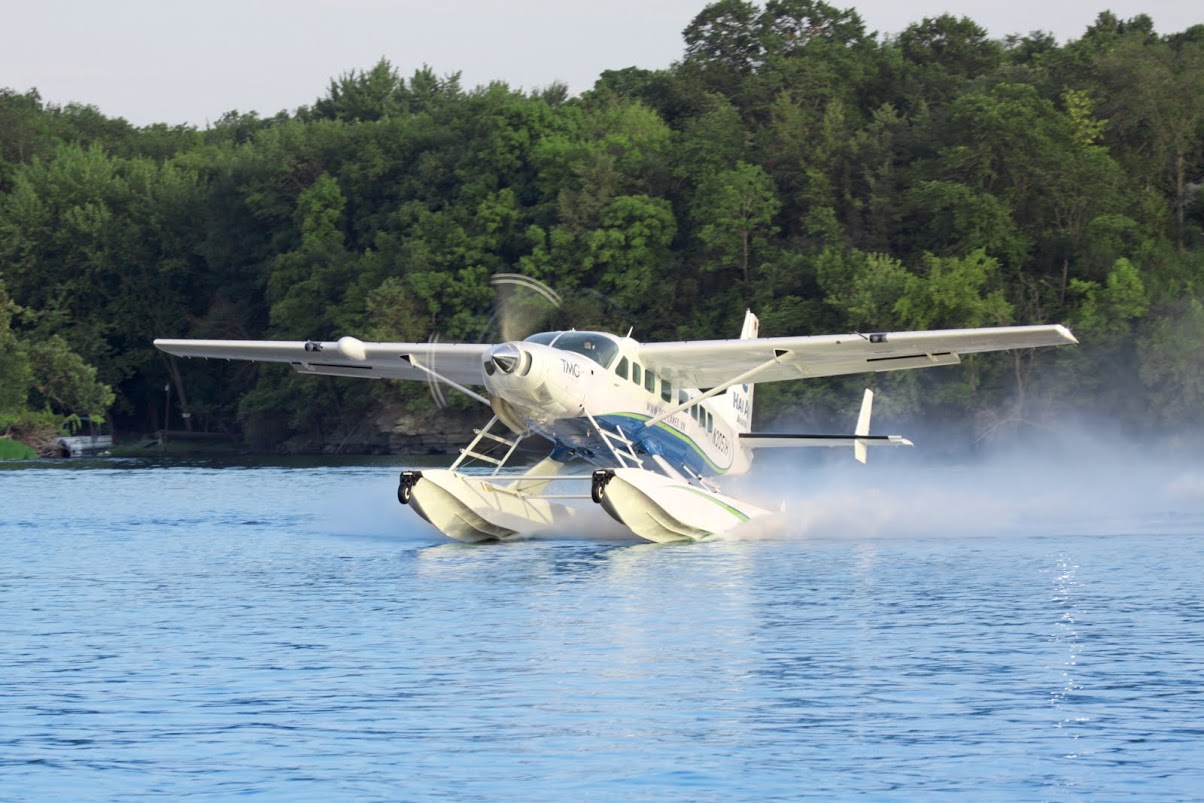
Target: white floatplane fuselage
(572, 387)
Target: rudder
(739, 407)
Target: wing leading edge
(460, 362)
(707, 363)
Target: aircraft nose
(504, 358)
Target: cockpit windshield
(600, 348)
(543, 338)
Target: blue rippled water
(289, 632)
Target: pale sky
(166, 61)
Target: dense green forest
(790, 162)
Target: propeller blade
(523, 304)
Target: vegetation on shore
(15, 450)
(791, 162)
(44, 387)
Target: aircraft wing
(709, 363)
(459, 362)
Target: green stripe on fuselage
(681, 436)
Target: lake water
(291, 632)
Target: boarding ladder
(470, 452)
(619, 444)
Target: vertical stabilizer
(863, 425)
(752, 326)
(738, 408)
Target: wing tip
(1066, 335)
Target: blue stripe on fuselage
(675, 446)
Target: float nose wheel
(406, 486)
(601, 477)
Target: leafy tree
(373, 94)
(1170, 364)
(723, 44)
(24, 131)
(876, 292)
(874, 178)
(949, 218)
(307, 282)
(954, 293)
(44, 386)
(63, 382)
(791, 26)
(818, 54)
(631, 250)
(712, 141)
(1156, 103)
(945, 53)
(736, 209)
(864, 288)
(15, 370)
(933, 63)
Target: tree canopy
(791, 162)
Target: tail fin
(739, 406)
(752, 326)
(863, 426)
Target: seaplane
(658, 427)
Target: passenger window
(666, 390)
(650, 382)
(710, 423)
(635, 372)
(682, 397)
(621, 368)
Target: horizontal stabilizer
(861, 438)
(760, 440)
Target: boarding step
(624, 452)
(470, 452)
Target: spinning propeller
(522, 305)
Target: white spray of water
(1068, 484)
(1071, 483)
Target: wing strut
(715, 391)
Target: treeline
(790, 162)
